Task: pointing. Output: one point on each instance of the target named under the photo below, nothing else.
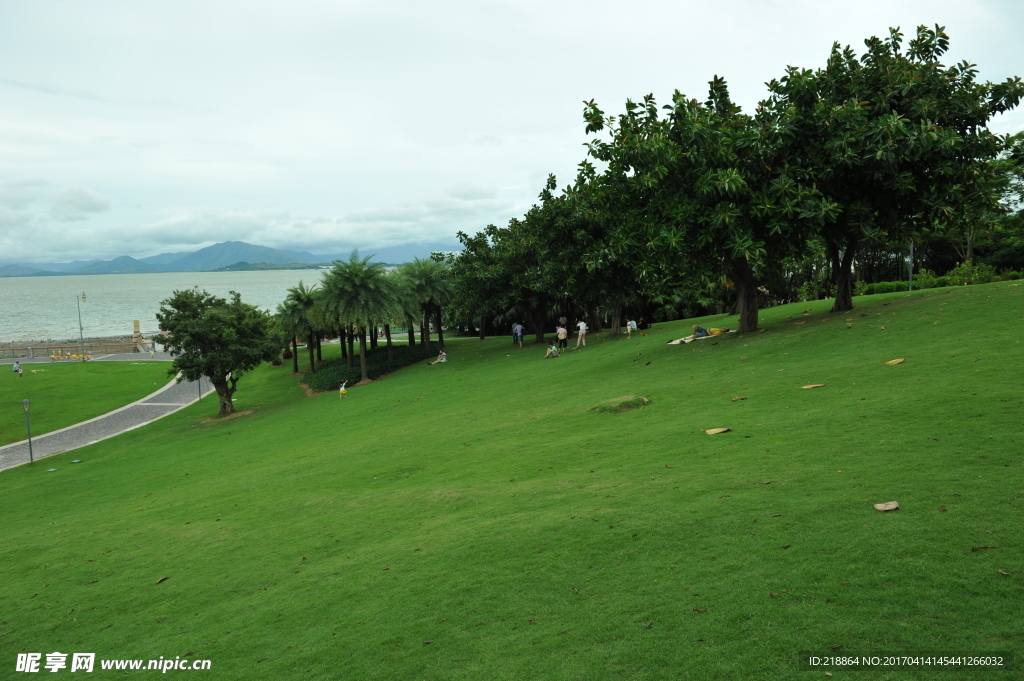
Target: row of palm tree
(356, 296)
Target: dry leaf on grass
(979, 548)
(776, 515)
(811, 385)
(1003, 572)
(896, 361)
(716, 431)
(888, 506)
(737, 399)
(162, 579)
(428, 642)
(700, 609)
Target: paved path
(167, 400)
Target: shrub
(287, 354)
(276, 363)
(971, 273)
(331, 372)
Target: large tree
(895, 141)
(217, 338)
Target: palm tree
(292, 318)
(429, 282)
(361, 292)
(305, 297)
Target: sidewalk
(167, 400)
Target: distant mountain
(391, 254)
(228, 253)
(163, 258)
(122, 265)
(57, 266)
(304, 254)
(20, 271)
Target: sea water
(37, 308)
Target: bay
(39, 308)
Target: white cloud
(20, 193)
(77, 203)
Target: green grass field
(476, 520)
(63, 394)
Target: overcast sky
(135, 128)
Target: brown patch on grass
(310, 392)
(218, 419)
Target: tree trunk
(841, 268)
(362, 354)
(483, 326)
(412, 331)
(616, 318)
(319, 352)
(295, 355)
(746, 293)
(391, 348)
(225, 388)
(437, 322)
(341, 341)
(593, 321)
(425, 329)
(310, 342)
(536, 317)
(373, 335)
(351, 346)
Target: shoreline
(51, 342)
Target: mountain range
(211, 258)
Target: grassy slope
(65, 394)
(495, 498)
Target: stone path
(167, 400)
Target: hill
(227, 253)
(14, 270)
(121, 265)
(477, 520)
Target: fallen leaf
(787, 546)
(811, 385)
(700, 609)
(667, 466)
(888, 506)
(835, 647)
(896, 361)
(262, 659)
(1001, 571)
(776, 515)
(881, 328)
(737, 399)
(767, 482)
(387, 568)
(443, 619)
(649, 624)
(162, 579)
(752, 534)
(531, 621)
(772, 595)
(942, 509)
(428, 642)
(716, 431)
(979, 548)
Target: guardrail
(58, 353)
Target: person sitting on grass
(552, 351)
(441, 357)
(701, 332)
(630, 328)
(18, 370)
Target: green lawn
(63, 394)
(476, 520)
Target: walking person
(582, 338)
(517, 334)
(563, 336)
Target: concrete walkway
(167, 400)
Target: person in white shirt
(517, 334)
(18, 370)
(630, 328)
(441, 357)
(582, 326)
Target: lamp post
(81, 338)
(28, 427)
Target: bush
(276, 363)
(971, 273)
(331, 372)
(287, 354)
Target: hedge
(331, 372)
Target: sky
(136, 128)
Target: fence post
(31, 355)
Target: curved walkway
(167, 400)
